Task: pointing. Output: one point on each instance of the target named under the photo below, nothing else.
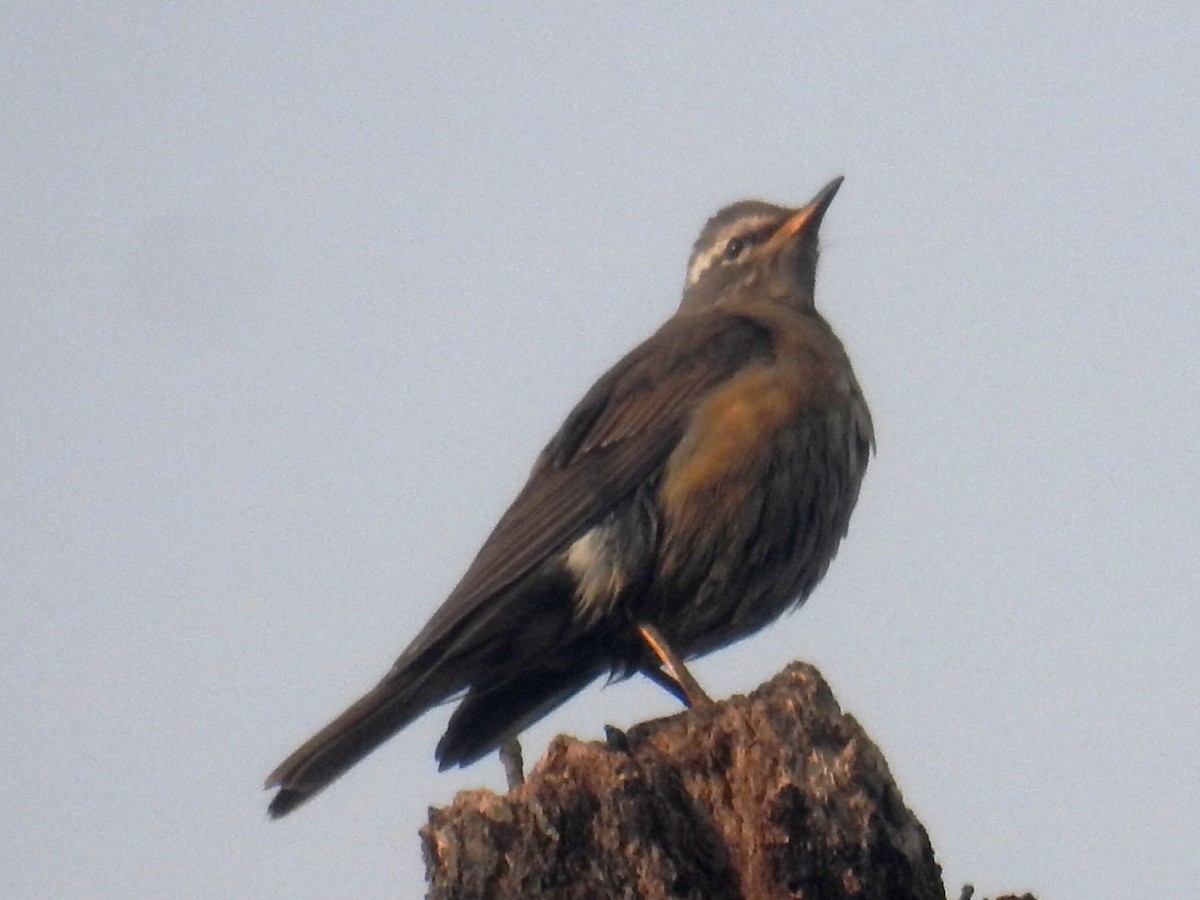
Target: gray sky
(293, 297)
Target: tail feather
(324, 757)
(509, 656)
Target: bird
(698, 491)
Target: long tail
(324, 757)
(511, 657)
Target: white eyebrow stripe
(701, 263)
(745, 225)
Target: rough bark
(776, 794)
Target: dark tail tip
(324, 757)
(285, 801)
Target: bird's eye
(734, 248)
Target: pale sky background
(292, 297)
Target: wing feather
(616, 438)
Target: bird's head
(757, 247)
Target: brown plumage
(699, 489)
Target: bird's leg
(654, 672)
(673, 667)
(514, 765)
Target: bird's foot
(617, 740)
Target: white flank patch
(600, 578)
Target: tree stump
(775, 794)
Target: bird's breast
(757, 495)
(733, 434)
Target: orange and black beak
(805, 221)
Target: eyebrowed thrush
(695, 493)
